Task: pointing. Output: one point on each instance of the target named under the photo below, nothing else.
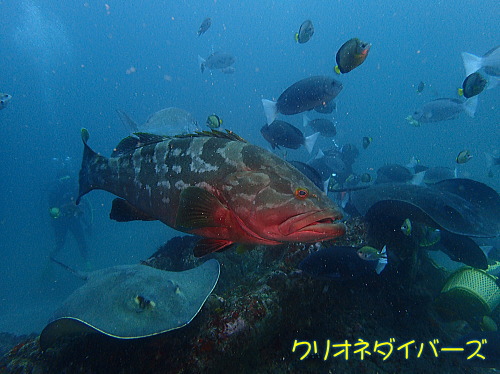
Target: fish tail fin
(344, 199)
(91, 160)
(489, 160)
(493, 82)
(201, 63)
(270, 110)
(382, 262)
(310, 141)
(472, 63)
(305, 120)
(129, 123)
(319, 155)
(418, 178)
(470, 106)
(325, 185)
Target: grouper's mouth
(313, 226)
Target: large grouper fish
(214, 185)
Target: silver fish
(442, 110)
(216, 61)
(169, 121)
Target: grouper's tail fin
(89, 160)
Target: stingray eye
(301, 193)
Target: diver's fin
(199, 208)
(123, 211)
(270, 110)
(201, 63)
(129, 123)
(310, 141)
(472, 63)
(470, 106)
(208, 245)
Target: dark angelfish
(305, 33)
(326, 107)
(473, 85)
(324, 126)
(310, 172)
(352, 54)
(205, 25)
(301, 96)
(282, 134)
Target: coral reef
(261, 306)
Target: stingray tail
(91, 166)
(79, 274)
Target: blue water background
(69, 65)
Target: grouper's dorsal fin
(137, 140)
(214, 134)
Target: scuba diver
(66, 215)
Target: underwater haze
(72, 64)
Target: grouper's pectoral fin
(123, 211)
(198, 208)
(201, 210)
(207, 246)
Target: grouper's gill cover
(214, 185)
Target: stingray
(133, 301)
(460, 206)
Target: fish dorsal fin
(214, 134)
(137, 140)
(141, 139)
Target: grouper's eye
(301, 193)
